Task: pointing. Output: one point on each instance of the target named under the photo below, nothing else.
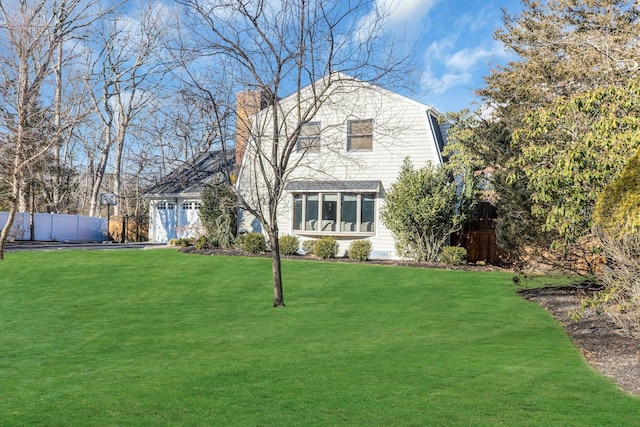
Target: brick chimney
(247, 104)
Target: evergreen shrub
(307, 246)
(289, 245)
(453, 255)
(359, 250)
(325, 248)
(253, 243)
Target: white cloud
(477, 20)
(466, 59)
(401, 12)
(439, 49)
(435, 84)
(399, 15)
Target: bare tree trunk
(97, 182)
(4, 235)
(15, 191)
(117, 169)
(276, 268)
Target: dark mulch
(599, 339)
(406, 263)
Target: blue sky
(454, 43)
(455, 40)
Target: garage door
(164, 221)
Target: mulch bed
(603, 346)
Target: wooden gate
(481, 246)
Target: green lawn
(149, 338)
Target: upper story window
(309, 138)
(360, 135)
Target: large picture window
(335, 213)
(360, 135)
(309, 138)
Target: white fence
(56, 227)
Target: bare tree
(33, 116)
(191, 121)
(201, 114)
(126, 74)
(278, 48)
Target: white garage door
(164, 221)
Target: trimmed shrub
(325, 248)
(359, 250)
(182, 242)
(289, 245)
(253, 243)
(206, 242)
(307, 246)
(453, 255)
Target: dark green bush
(453, 255)
(253, 243)
(325, 248)
(289, 245)
(219, 213)
(359, 250)
(307, 246)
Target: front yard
(160, 337)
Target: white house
(175, 201)
(347, 156)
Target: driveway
(54, 246)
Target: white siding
(401, 129)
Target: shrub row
(325, 247)
(182, 242)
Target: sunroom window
(334, 213)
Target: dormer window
(309, 138)
(360, 135)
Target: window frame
(166, 206)
(351, 134)
(309, 143)
(331, 227)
